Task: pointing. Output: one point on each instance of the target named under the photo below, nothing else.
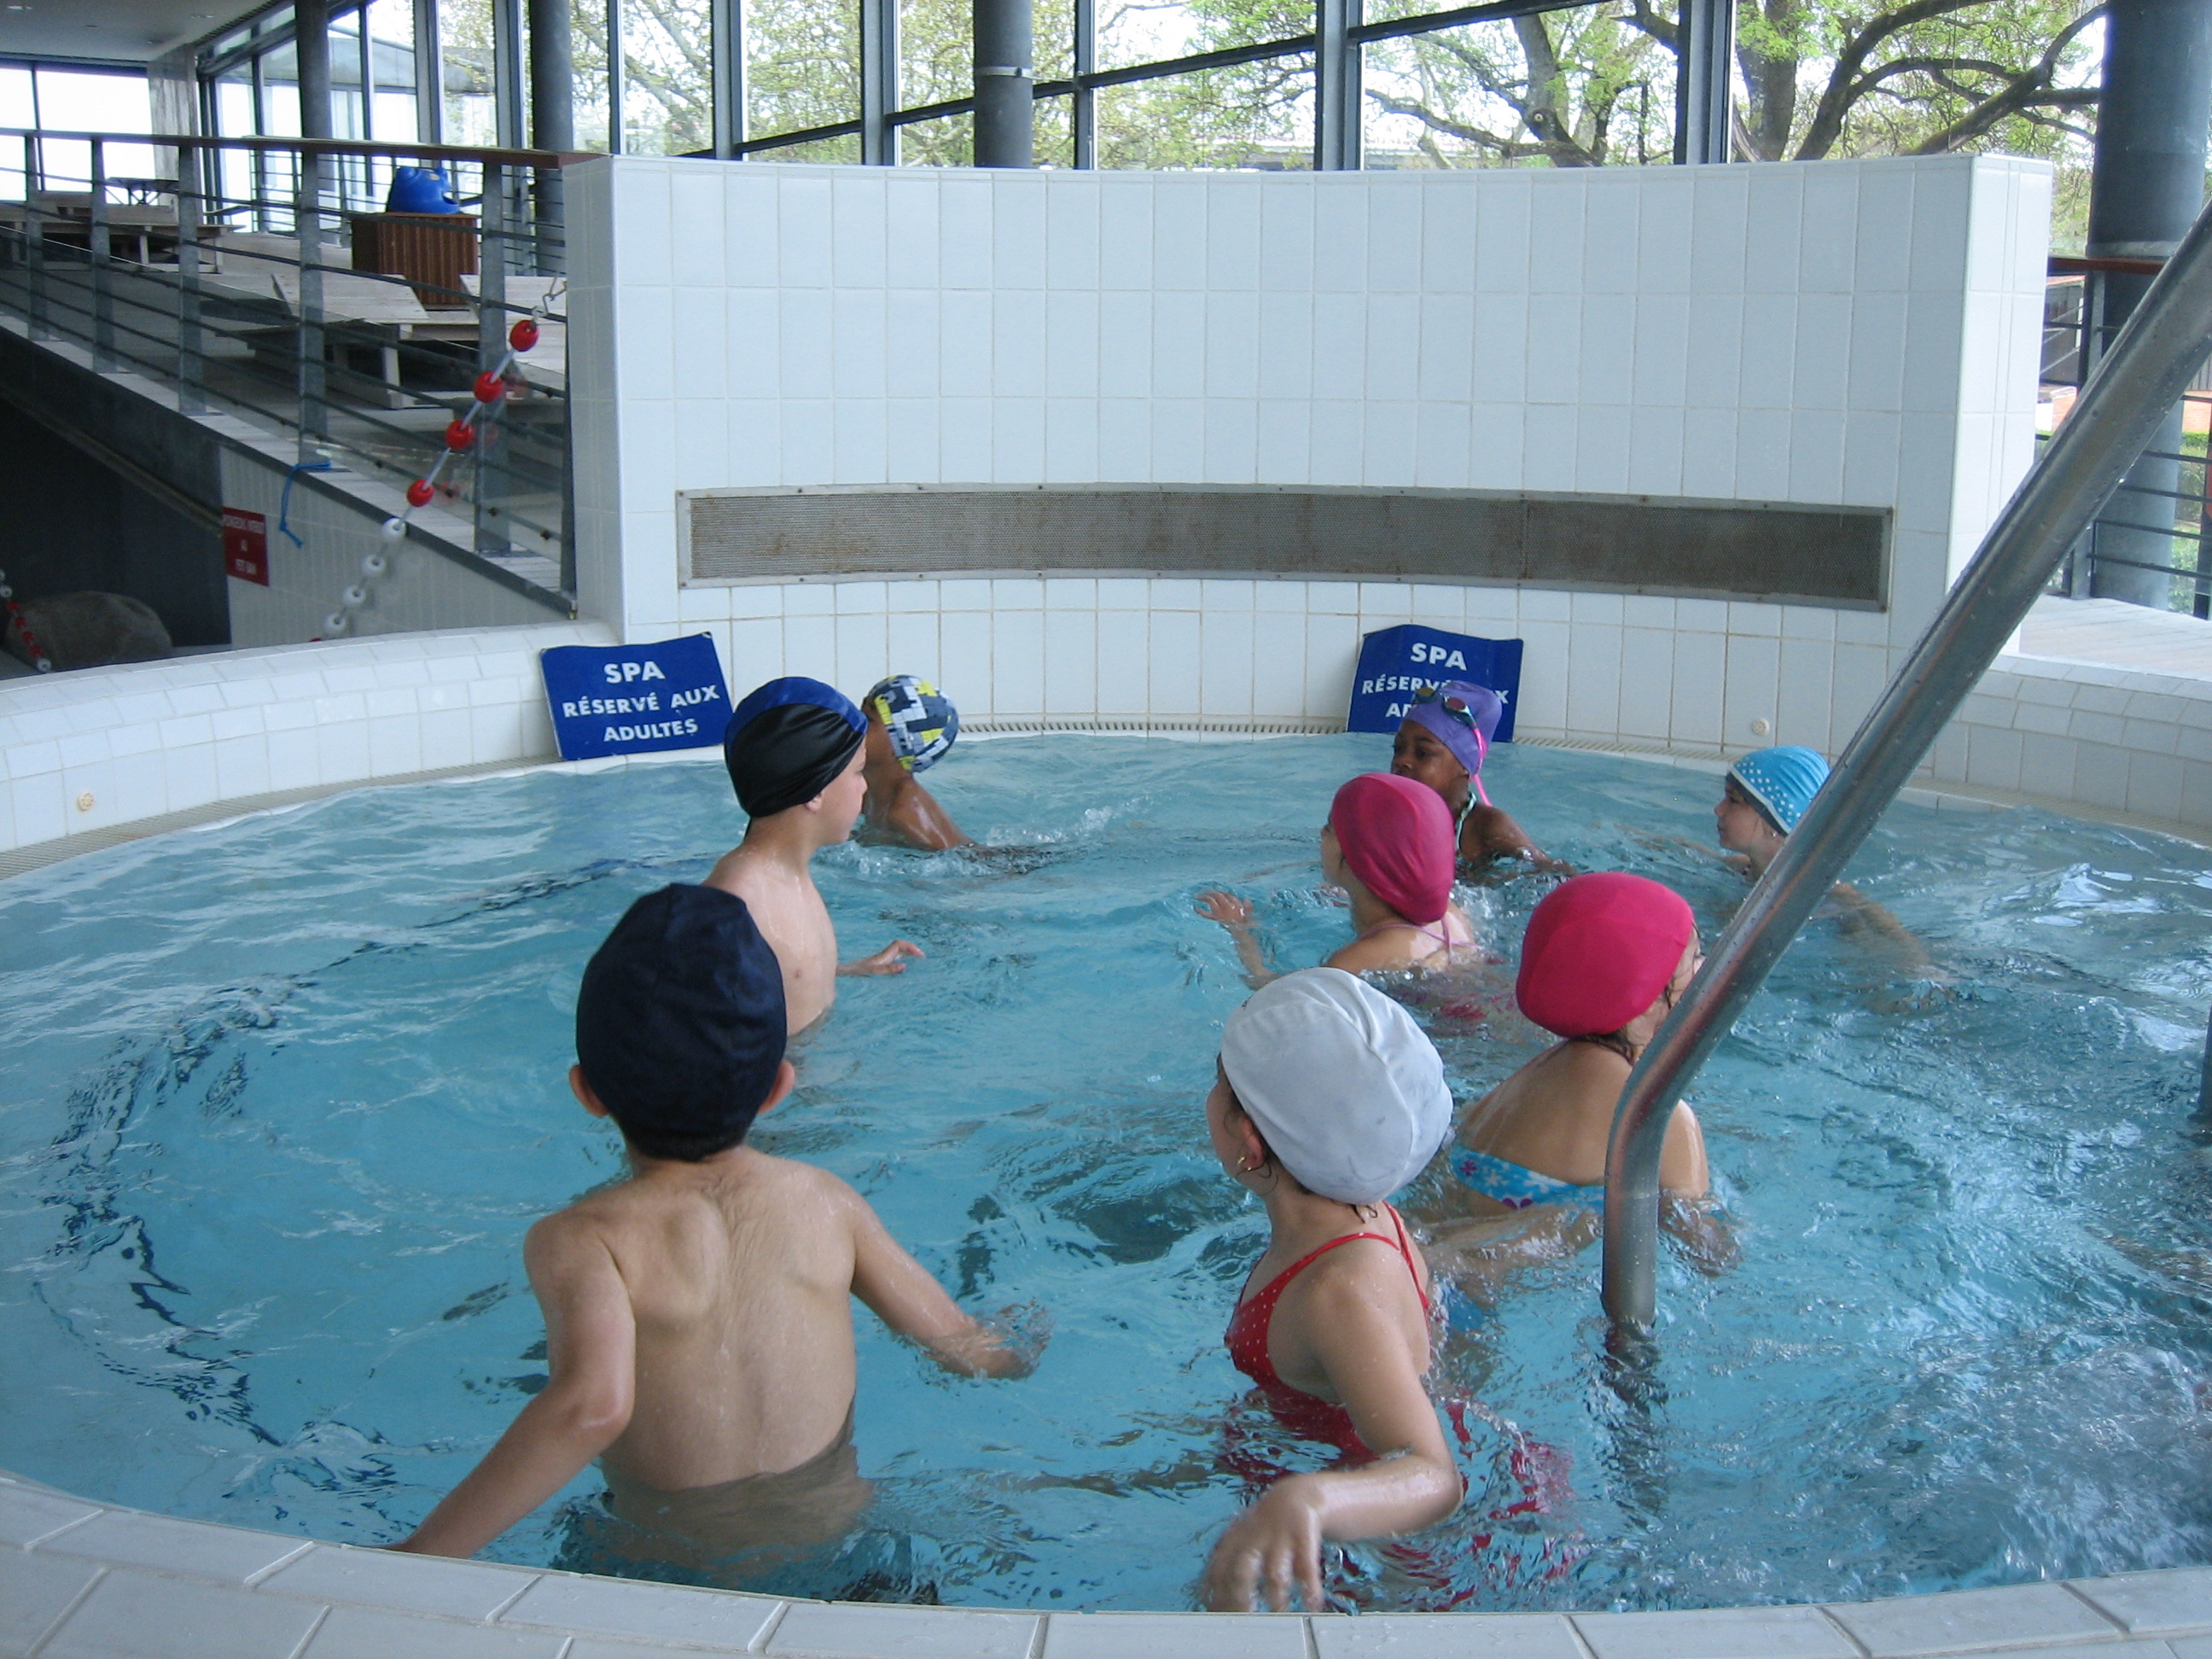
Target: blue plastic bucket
(420, 189)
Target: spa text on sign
(634, 699)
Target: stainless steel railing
(2129, 395)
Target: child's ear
(582, 1090)
(786, 1075)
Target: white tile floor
(81, 1581)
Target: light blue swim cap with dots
(1781, 780)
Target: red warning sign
(246, 545)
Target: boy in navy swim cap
(795, 751)
(911, 725)
(698, 1321)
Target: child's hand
(1225, 908)
(891, 959)
(1008, 1345)
(1276, 1541)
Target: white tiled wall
(1862, 332)
(2122, 740)
(104, 746)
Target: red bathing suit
(1307, 1416)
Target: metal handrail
(370, 147)
(2129, 395)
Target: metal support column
(98, 254)
(726, 19)
(2145, 183)
(491, 518)
(552, 125)
(311, 40)
(1337, 146)
(34, 234)
(2142, 377)
(1704, 63)
(1006, 100)
(1083, 105)
(879, 79)
(430, 76)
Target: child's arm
(1236, 915)
(1686, 1205)
(1491, 833)
(591, 1339)
(1360, 1341)
(900, 1291)
(922, 823)
(891, 959)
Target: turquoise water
(277, 1100)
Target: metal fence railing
(261, 278)
(2156, 522)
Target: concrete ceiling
(131, 30)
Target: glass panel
(280, 93)
(803, 66)
(1150, 31)
(234, 118)
(1256, 116)
(346, 104)
(843, 152)
(947, 141)
(465, 51)
(1053, 142)
(14, 112)
(935, 65)
(74, 101)
(587, 53)
(1602, 91)
(668, 76)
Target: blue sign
(634, 699)
(1396, 662)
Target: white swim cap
(1347, 1091)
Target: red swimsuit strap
(1262, 1303)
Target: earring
(1245, 1166)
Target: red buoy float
(419, 492)
(524, 334)
(489, 388)
(460, 435)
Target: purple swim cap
(1461, 715)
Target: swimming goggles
(1455, 709)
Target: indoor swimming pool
(284, 1094)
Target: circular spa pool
(280, 1097)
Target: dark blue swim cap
(680, 1022)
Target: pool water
(279, 1098)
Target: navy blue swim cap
(680, 1022)
(788, 742)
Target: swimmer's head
(1446, 737)
(1396, 836)
(1344, 1089)
(918, 722)
(680, 1025)
(1600, 951)
(1778, 784)
(788, 742)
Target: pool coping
(82, 1580)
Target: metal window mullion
(1702, 86)
(1337, 147)
(616, 90)
(1083, 105)
(192, 168)
(726, 22)
(430, 74)
(879, 82)
(306, 212)
(506, 73)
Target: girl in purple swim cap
(1442, 742)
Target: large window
(57, 99)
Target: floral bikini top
(1306, 1415)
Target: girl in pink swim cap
(1604, 960)
(1388, 844)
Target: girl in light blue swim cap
(1767, 791)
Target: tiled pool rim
(80, 1580)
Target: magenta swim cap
(1599, 951)
(1397, 837)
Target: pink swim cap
(1599, 951)
(1397, 837)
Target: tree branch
(1839, 96)
(2030, 87)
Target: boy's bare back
(734, 1275)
